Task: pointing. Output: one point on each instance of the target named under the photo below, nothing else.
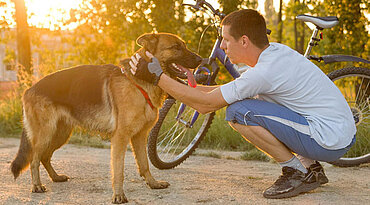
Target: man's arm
(206, 88)
(204, 100)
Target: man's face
(233, 47)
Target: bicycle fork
(183, 106)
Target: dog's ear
(148, 41)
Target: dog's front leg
(118, 150)
(139, 143)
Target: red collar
(145, 94)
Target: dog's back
(74, 96)
(75, 88)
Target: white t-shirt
(285, 77)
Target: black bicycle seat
(322, 22)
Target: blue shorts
(287, 126)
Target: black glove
(147, 71)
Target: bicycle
(180, 129)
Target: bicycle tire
(360, 109)
(155, 140)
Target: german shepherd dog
(102, 98)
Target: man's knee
(232, 124)
(232, 111)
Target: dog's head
(175, 58)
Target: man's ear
(149, 41)
(245, 40)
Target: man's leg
(258, 121)
(315, 167)
(268, 143)
(264, 140)
(307, 162)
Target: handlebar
(204, 5)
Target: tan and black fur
(101, 98)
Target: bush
(10, 116)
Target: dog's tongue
(191, 79)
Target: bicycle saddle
(322, 22)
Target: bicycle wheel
(172, 140)
(354, 83)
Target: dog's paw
(158, 184)
(38, 189)
(119, 198)
(60, 178)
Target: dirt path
(200, 180)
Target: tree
(293, 9)
(23, 38)
(3, 9)
(349, 36)
(109, 28)
(229, 6)
(270, 15)
(280, 22)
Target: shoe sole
(323, 181)
(295, 192)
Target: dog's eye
(177, 47)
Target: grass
(10, 116)
(255, 154)
(80, 137)
(222, 136)
(210, 154)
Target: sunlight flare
(50, 14)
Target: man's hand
(149, 72)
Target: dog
(103, 98)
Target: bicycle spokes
(180, 132)
(356, 90)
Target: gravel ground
(199, 180)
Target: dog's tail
(23, 158)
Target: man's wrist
(157, 78)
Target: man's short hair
(247, 22)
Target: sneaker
(319, 173)
(291, 183)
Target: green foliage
(5, 12)
(10, 57)
(84, 139)
(222, 136)
(229, 6)
(10, 116)
(348, 37)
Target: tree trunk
(299, 31)
(296, 35)
(300, 48)
(280, 23)
(23, 38)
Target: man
(297, 108)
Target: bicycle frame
(220, 54)
(328, 58)
(217, 53)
